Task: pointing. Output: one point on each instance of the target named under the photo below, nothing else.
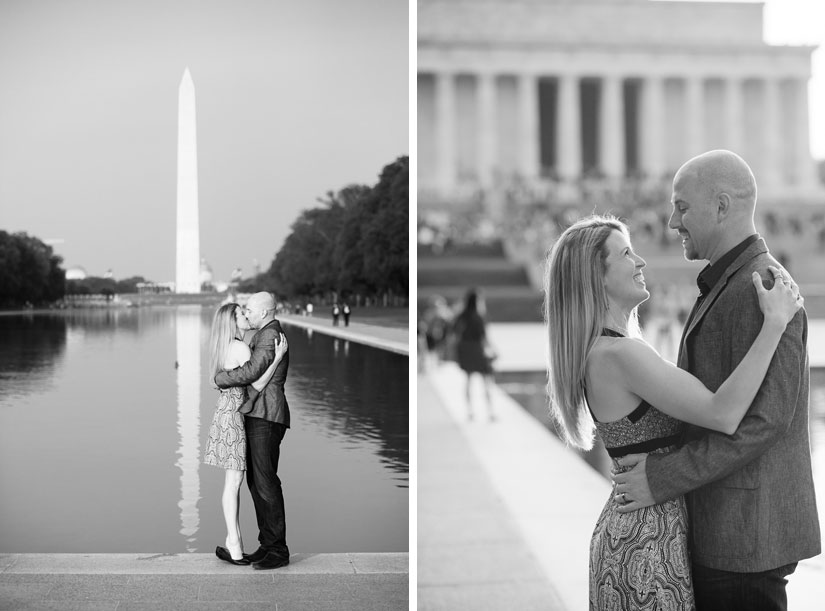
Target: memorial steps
(508, 295)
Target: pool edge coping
(188, 563)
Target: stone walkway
(505, 511)
(201, 582)
(471, 554)
(393, 339)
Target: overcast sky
(294, 98)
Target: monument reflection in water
(101, 438)
(188, 365)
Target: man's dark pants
(263, 449)
(726, 591)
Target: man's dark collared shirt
(707, 279)
(711, 274)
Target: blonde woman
(604, 379)
(226, 446)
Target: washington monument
(187, 279)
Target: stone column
(695, 116)
(486, 91)
(652, 122)
(734, 115)
(611, 128)
(569, 152)
(445, 130)
(806, 176)
(772, 152)
(529, 136)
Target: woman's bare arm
(679, 394)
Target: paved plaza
(392, 338)
(505, 510)
(201, 582)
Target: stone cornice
(753, 62)
(620, 22)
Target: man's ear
(723, 205)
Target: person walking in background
(435, 324)
(226, 444)
(266, 421)
(604, 376)
(750, 495)
(346, 312)
(473, 350)
(336, 312)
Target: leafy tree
(128, 285)
(30, 272)
(355, 241)
(94, 285)
(386, 241)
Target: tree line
(96, 285)
(30, 272)
(355, 242)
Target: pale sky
(294, 98)
(800, 22)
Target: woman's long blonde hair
(224, 331)
(575, 311)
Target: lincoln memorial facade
(554, 90)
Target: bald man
(266, 419)
(750, 495)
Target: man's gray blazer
(270, 404)
(750, 495)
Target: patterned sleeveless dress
(640, 560)
(226, 446)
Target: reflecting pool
(104, 416)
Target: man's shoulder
(273, 326)
(269, 332)
(759, 262)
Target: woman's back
(469, 327)
(624, 421)
(237, 355)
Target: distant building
(155, 287)
(76, 273)
(205, 272)
(550, 91)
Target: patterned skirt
(226, 446)
(639, 560)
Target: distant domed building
(76, 273)
(206, 272)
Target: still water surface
(104, 416)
